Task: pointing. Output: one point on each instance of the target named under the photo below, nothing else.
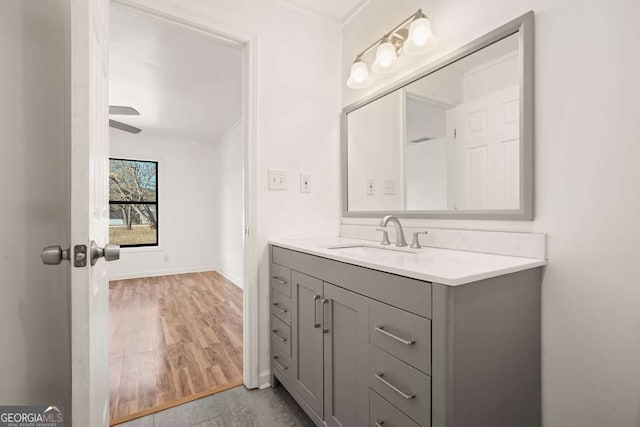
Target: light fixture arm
(416, 14)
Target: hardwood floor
(172, 338)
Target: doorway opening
(180, 201)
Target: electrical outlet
(371, 187)
(277, 180)
(390, 186)
(305, 183)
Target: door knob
(110, 252)
(53, 255)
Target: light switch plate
(371, 187)
(277, 180)
(390, 186)
(305, 183)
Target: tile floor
(237, 407)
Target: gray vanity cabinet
(308, 340)
(345, 324)
(329, 338)
(358, 347)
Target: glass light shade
(386, 58)
(359, 76)
(420, 38)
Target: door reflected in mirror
(449, 141)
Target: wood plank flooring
(172, 338)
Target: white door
(487, 165)
(89, 211)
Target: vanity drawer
(281, 350)
(281, 306)
(281, 279)
(280, 337)
(403, 292)
(402, 385)
(402, 334)
(384, 414)
(281, 364)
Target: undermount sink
(366, 250)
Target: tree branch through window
(133, 202)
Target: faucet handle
(385, 236)
(415, 242)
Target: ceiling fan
(118, 110)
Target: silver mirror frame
(522, 25)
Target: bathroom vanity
(366, 335)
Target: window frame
(157, 203)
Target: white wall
(587, 187)
(227, 165)
(375, 152)
(35, 351)
(187, 186)
(298, 91)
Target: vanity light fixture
(359, 77)
(386, 57)
(416, 39)
(421, 37)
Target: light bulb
(420, 31)
(386, 57)
(359, 76)
(385, 54)
(359, 72)
(420, 39)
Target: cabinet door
(345, 325)
(307, 340)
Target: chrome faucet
(400, 240)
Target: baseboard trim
(264, 379)
(232, 278)
(158, 273)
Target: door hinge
(455, 133)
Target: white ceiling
(335, 10)
(186, 85)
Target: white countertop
(445, 266)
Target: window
(133, 203)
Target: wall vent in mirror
(456, 138)
(413, 36)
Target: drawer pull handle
(280, 309)
(280, 337)
(395, 337)
(280, 280)
(325, 329)
(379, 376)
(379, 423)
(280, 365)
(316, 324)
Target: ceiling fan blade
(123, 111)
(123, 126)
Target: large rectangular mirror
(454, 141)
